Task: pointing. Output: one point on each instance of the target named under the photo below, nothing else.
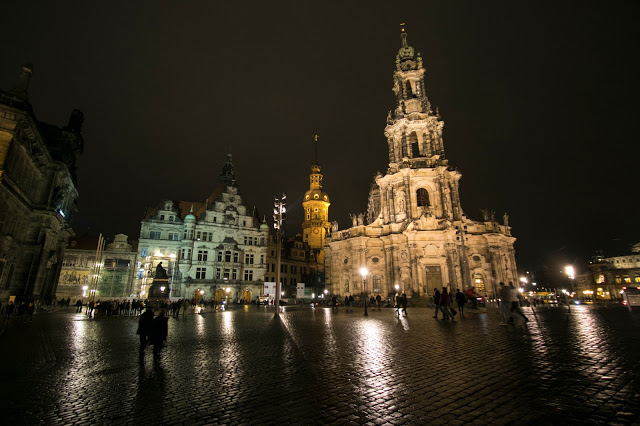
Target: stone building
(315, 205)
(607, 276)
(414, 236)
(37, 194)
(298, 265)
(207, 247)
(114, 270)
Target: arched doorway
(247, 295)
(219, 295)
(198, 294)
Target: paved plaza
(312, 366)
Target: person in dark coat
(460, 300)
(145, 328)
(403, 302)
(159, 333)
(444, 304)
(436, 302)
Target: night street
(244, 366)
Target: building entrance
(434, 278)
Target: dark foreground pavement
(312, 366)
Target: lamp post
(226, 303)
(364, 272)
(279, 210)
(571, 274)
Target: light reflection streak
(79, 336)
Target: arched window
(413, 143)
(409, 91)
(422, 197)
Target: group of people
(153, 331)
(24, 310)
(442, 301)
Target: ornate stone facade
(37, 194)
(315, 205)
(115, 271)
(415, 236)
(206, 247)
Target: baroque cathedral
(415, 236)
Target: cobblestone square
(314, 366)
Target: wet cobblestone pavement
(311, 366)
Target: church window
(410, 93)
(476, 258)
(375, 259)
(413, 143)
(376, 283)
(478, 281)
(422, 197)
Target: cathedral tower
(316, 211)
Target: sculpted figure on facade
(360, 219)
(354, 220)
(505, 219)
(400, 201)
(334, 226)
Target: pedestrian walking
(30, 310)
(505, 303)
(379, 301)
(515, 304)
(403, 302)
(159, 332)
(436, 302)
(397, 303)
(347, 305)
(460, 300)
(334, 303)
(444, 305)
(145, 328)
(9, 310)
(79, 306)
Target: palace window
(174, 236)
(235, 274)
(219, 256)
(201, 273)
(154, 235)
(143, 252)
(227, 256)
(218, 273)
(422, 197)
(198, 235)
(235, 257)
(248, 275)
(202, 255)
(248, 258)
(161, 217)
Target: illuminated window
(637, 278)
(618, 279)
(478, 282)
(626, 278)
(143, 252)
(422, 197)
(376, 280)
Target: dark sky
(539, 103)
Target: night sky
(540, 103)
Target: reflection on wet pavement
(317, 366)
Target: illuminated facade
(415, 236)
(37, 195)
(607, 276)
(315, 205)
(207, 247)
(115, 270)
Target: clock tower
(316, 211)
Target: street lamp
(364, 272)
(571, 274)
(279, 210)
